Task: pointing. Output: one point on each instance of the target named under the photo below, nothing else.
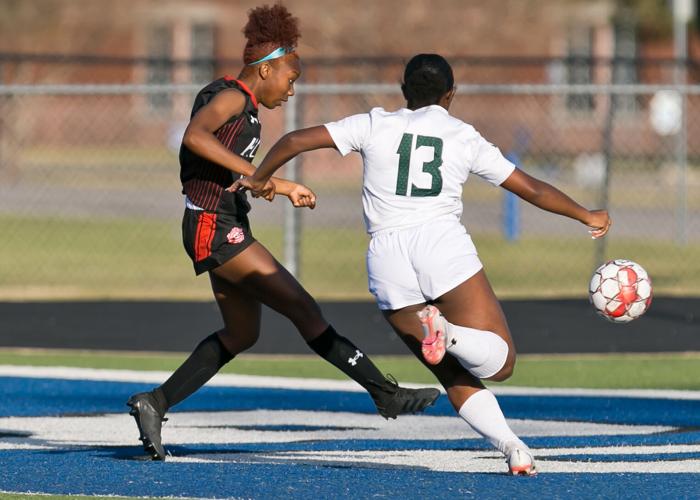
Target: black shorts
(212, 238)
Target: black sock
(343, 354)
(206, 359)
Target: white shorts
(421, 263)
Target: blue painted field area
(75, 437)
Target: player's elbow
(526, 187)
(191, 139)
(534, 193)
(290, 140)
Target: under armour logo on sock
(353, 360)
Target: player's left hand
(258, 189)
(302, 196)
(599, 222)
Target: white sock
(482, 412)
(482, 353)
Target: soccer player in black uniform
(221, 138)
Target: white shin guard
(482, 353)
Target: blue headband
(278, 52)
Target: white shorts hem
(394, 306)
(457, 281)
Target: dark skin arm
(200, 139)
(549, 198)
(530, 189)
(289, 146)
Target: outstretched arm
(547, 197)
(284, 150)
(289, 146)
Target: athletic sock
(481, 352)
(482, 412)
(206, 359)
(344, 355)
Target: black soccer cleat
(149, 422)
(395, 400)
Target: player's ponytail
(426, 79)
(269, 29)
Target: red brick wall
(333, 29)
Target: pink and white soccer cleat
(520, 462)
(435, 334)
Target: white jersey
(415, 163)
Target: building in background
(504, 41)
(166, 41)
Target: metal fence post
(608, 153)
(292, 216)
(681, 15)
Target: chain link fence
(90, 201)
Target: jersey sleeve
(489, 163)
(351, 133)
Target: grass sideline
(680, 371)
(142, 258)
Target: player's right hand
(599, 222)
(302, 196)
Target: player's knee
(496, 361)
(248, 342)
(504, 373)
(236, 340)
(508, 367)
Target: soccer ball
(620, 290)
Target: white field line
(278, 426)
(592, 451)
(80, 495)
(455, 461)
(230, 380)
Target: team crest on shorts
(235, 235)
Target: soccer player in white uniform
(423, 268)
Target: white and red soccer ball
(620, 290)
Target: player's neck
(250, 80)
(415, 107)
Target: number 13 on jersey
(431, 167)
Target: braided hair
(269, 28)
(426, 79)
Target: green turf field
(124, 258)
(604, 371)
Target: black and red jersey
(205, 182)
